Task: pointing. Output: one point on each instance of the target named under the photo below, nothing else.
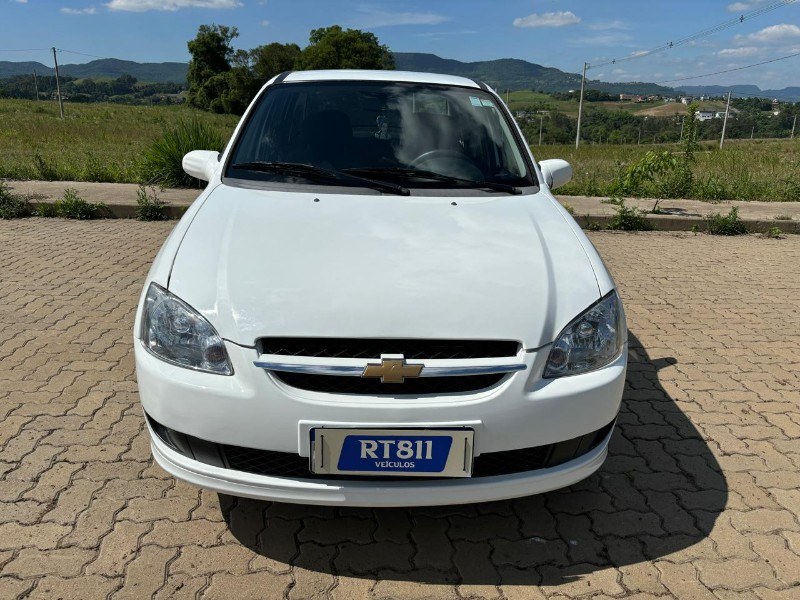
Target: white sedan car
(377, 301)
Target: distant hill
(503, 74)
(791, 94)
(515, 74)
(107, 67)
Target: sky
(613, 36)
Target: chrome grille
(282, 350)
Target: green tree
(337, 48)
(273, 59)
(211, 54)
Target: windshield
(411, 134)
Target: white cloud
(639, 53)
(21, 1)
(770, 35)
(738, 7)
(550, 19)
(169, 5)
(743, 51)
(264, 23)
(375, 17)
(79, 11)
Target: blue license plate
(395, 454)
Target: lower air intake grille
(286, 464)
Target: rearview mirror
(201, 164)
(556, 172)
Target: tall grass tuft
(149, 207)
(72, 206)
(11, 206)
(162, 161)
(730, 224)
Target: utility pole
(683, 122)
(58, 85)
(793, 127)
(36, 84)
(541, 124)
(753, 132)
(580, 106)
(725, 122)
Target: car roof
(367, 75)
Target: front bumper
(252, 409)
(433, 492)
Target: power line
(766, 62)
(90, 55)
(700, 34)
(26, 50)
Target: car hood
(262, 263)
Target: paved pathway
(700, 497)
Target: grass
(94, 142)
(743, 170)
(107, 142)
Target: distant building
(686, 99)
(631, 98)
(704, 115)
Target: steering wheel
(448, 162)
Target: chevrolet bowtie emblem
(392, 370)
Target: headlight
(591, 341)
(176, 333)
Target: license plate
(393, 452)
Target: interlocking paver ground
(698, 499)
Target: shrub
(783, 218)
(773, 232)
(11, 206)
(46, 210)
(647, 169)
(628, 218)
(729, 224)
(149, 207)
(162, 161)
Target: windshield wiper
(423, 174)
(318, 173)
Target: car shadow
(659, 492)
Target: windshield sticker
(475, 101)
(487, 102)
(383, 128)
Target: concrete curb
(673, 223)
(587, 221)
(124, 211)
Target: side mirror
(201, 164)
(556, 172)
